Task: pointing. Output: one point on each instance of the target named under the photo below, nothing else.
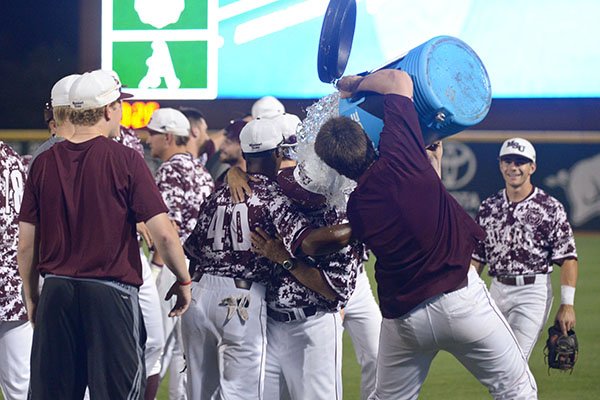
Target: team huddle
(225, 272)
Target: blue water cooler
(452, 89)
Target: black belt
(239, 283)
(515, 280)
(289, 316)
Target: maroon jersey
(129, 138)
(12, 180)
(525, 237)
(400, 209)
(85, 199)
(220, 243)
(184, 184)
(339, 270)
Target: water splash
(312, 173)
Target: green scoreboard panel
(162, 49)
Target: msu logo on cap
(516, 146)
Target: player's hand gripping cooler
(561, 351)
(452, 89)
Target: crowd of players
(272, 273)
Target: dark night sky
(39, 43)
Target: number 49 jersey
(12, 181)
(220, 243)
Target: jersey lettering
(239, 228)
(13, 184)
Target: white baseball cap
(260, 134)
(59, 96)
(288, 124)
(267, 107)
(169, 120)
(519, 147)
(94, 90)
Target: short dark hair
(181, 140)
(192, 114)
(343, 145)
(260, 154)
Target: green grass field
(450, 380)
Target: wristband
(186, 283)
(157, 265)
(567, 295)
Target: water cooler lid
(335, 43)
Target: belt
(516, 280)
(289, 316)
(239, 283)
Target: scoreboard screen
(237, 49)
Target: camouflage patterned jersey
(12, 181)
(220, 244)
(339, 269)
(525, 237)
(184, 184)
(130, 139)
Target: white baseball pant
(304, 358)
(526, 308)
(15, 352)
(362, 319)
(466, 323)
(150, 305)
(225, 340)
(172, 357)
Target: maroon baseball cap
(232, 131)
(297, 193)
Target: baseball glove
(561, 351)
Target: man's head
(260, 141)
(230, 151)
(517, 162)
(198, 127)
(305, 199)
(95, 100)
(168, 132)
(288, 124)
(59, 108)
(267, 107)
(344, 146)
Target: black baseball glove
(561, 351)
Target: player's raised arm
(385, 81)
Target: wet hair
(344, 146)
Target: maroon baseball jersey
(220, 243)
(400, 209)
(339, 270)
(129, 138)
(12, 180)
(85, 199)
(525, 237)
(184, 184)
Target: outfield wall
(568, 167)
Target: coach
(81, 203)
(430, 297)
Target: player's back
(93, 194)
(220, 243)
